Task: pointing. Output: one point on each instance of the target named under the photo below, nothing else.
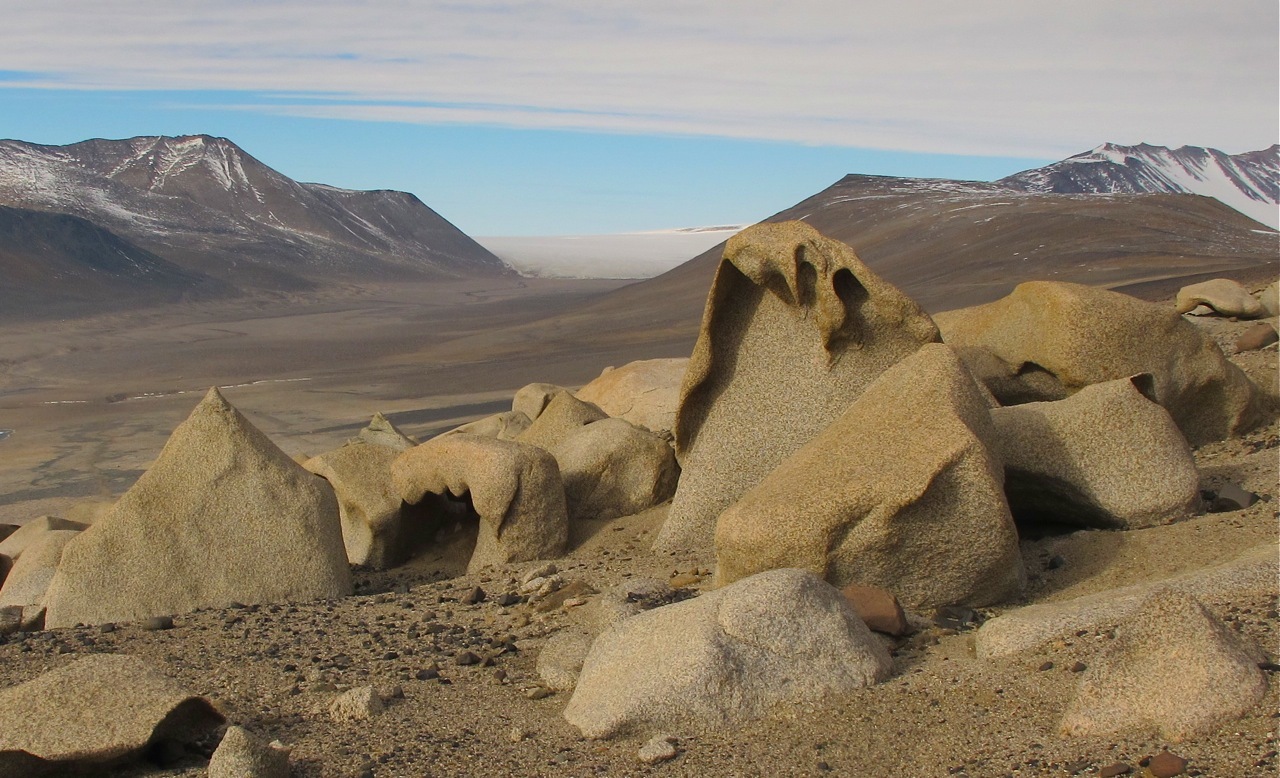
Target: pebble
(1113, 770)
(660, 748)
(1079, 667)
(476, 595)
(355, 705)
(1166, 765)
(1045, 666)
(517, 734)
(537, 692)
(467, 658)
(156, 623)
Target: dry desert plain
(88, 403)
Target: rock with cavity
(222, 516)
(776, 640)
(1173, 669)
(645, 393)
(613, 468)
(369, 506)
(899, 492)
(1225, 296)
(514, 489)
(1051, 339)
(1106, 457)
(29, 579)
(794, 329)
(563, 416)
(95, 712)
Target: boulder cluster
(842, 461)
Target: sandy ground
(944, 712)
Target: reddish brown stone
(1256, 337)
(877, 607)
(1113, 770)
(1166, 765)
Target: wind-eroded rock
(645, 393)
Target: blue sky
(562, 117)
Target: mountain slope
(204, 203)
(1248, 182)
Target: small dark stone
(108, 627)
(1079, 667)
(1078, 766)
(956, 617)
(1166, 765)
(156, 623)
(1230, 497)
(390, 655)
(467, 658)
(427, 674)
(824, 767)
(508, 599)
(1046, 666)
(1270, 667)
(1113, 770)
(474, 596)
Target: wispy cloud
(1006, 77)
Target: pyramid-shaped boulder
(222, 516)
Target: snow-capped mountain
(1249, 182)
(203, 203)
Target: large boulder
(777, 639)
(612, 468)
(645, 393)
(1106, 457)
(29, 579)
(369, 506)
(1270, 299)
(1049, 339)
(1174, 669)
(899, 492)
(222, 516)
(1225, 296)
(514, 490)
(563, 416)
(94, 713)
(532, 399)
(34, 531)
(794, 329)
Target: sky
(577, 117)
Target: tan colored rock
(1259, 336)
(29, 579)
(514, 489)
(563, 416)
(1225, 296)
(533, 398)
(1270, 299)
(645, 393)
(1174, 669)
(778, 639)
(359, 704)
(34, 531)
(95, 711)
(612, 468)
(1108, 456)
(381, 432)
(369, 506)
(504, 426)
(1081, 335)
(241, 755)
(794, 329)
(222, 516)
(877, 608)
(899, 492)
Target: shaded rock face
(563, 416)
(29, 579)
(780, 638)
(531, 399)
(1145, 680)
(514, 489)
(97, 711)
(1225, 296)
(369, 506)
(222, 516)
(1048, 339)
(33, 532)
(795, 327)
(612, 468)
(899, 492)
(241, 755)
(1108, 456)
(645, 393)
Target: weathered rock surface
(222, 516)
(1252, 573)
(612, 468)
(878, 609)
(504, 426)
(782, 637)
(645, 393)
(794, 329)
(1145, 679)
(368, 503)
(560, 660)
(533, 398)
(241, 755)
(381, 432)
(34, 531)
(1258, 336)
(1270, 299)
(1223, 295)
(899, 492)
(29, 579)
(359, 704)
(1051, 339)
(563, 416)
(1108, 456)
(514, 489)
(97, 711)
